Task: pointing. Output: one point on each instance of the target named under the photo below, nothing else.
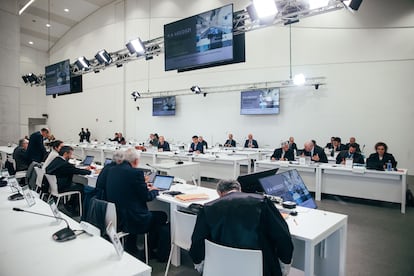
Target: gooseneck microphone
(65, 234)
(152, 167)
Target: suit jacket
(356, 157)
(102, 180)
(254, 144)
(317, 151)
(230, 143)
(247, 221)
(20, 157)
(198, 147)
(373, 161)
(64, 172)
(126, 187)
(36, 150)
(358, 149)
(289, 154)
(204, 144)
(164, 147)
(293, 146)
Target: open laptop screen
(163, 182)
(289, 186)
(88, 160)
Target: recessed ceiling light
(66, 10)
(31, 42)
(48, 25)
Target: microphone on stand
(179, 162)
(62, 235)
(152, 167)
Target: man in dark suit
(36, 149)
(284, 153)
(315, 152)
(101, 181)
(250, 142)
(196, 146)
(126, 187)
(242, 220)
(64, 171)
(20, 157)
(352, 140)
(351, 153)
(230, 142)
(163, 145)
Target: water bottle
(389, 165)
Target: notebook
(290, 187)
(87, 161)
(163, 182)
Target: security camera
(138, 108)
(317, 86)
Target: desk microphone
(179, 162)
(152, 167)
(62, 235)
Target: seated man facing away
(64, 171)
(19, 156)
(351, 153)
(284, 153)
(117, 158)
(242, 220)
(126, 187)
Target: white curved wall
(367, 58)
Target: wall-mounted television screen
(163, 106)
(58, 78)
(199, 40)
(260, 101)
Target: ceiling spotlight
(262, 9)
(66, 10)
(299, 79)
(31, 42)
(48, 25)
(135, 95)
(26, 81)
(352, 4)
(103, 57)
(195, 89)
(32, 78)
(82, 63)
(136, 46)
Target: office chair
(39, 181)
(181, 234)
(240, 262)
(53, 191)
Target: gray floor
(380, 239)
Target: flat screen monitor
(260, 101)
(198, 40)
(163, 106)
(58, 78)
(250, 182)
(290, 187)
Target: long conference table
(319, 236)
(389, 186)
(27, 247)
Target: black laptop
(290, 187)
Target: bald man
(315, 152)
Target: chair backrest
(39, 176)
(223, 261)
(184, 226)
(110, 215)
(53, 187)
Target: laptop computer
(250, 182)
(163, 182)
(290, 187)
(107, 161)
(87, 161)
